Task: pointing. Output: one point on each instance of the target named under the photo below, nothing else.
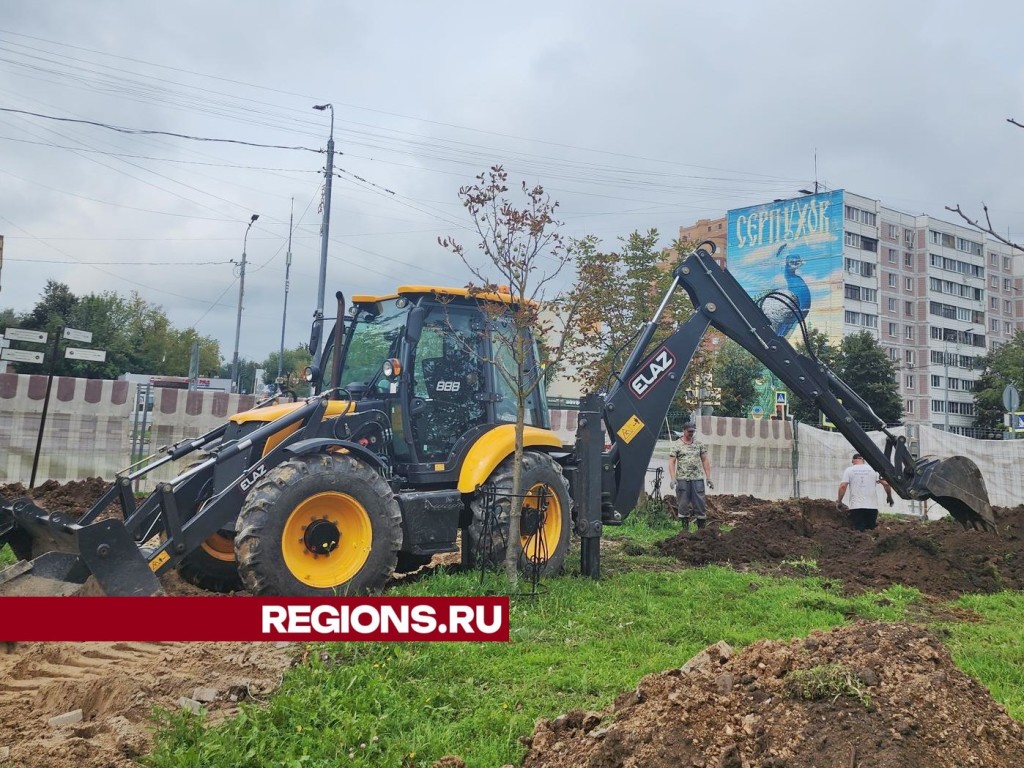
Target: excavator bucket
(57, 556)
(955, 483)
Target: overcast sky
(632, 115)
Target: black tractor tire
(212, 565)
(323, 525)
(546, 522)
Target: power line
(124, 263)
(158, 159)
(148, 132)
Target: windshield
(375, 339)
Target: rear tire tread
(258, 555)
(537, 467)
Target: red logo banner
(341, 619)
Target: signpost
(75, 335)
(27, 356)
(21, 356)
(76, 353)
(1011, 402)
(19, 334)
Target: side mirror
(314, 337)
(414, 328)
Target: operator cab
(435, 362)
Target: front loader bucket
(66, 553)
(955, 483)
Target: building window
(893, 256)
(908, 283)
(852, 239)
(892, 329)
(853, 292)
(1006, 263)
(994, 324)
(936, 381)
(993, 303)
(892, 305)
(908, 333)
(938, 406)
(868, 294)
(894, 354)
(894, 232)
(1007, 328)
(869, 244)
(908, 406)
(892, 280)
(908, 259)
(993, 281)
(909, 382)
(1007, 307)
(908, 308)
(1007, 284)
(910, 357)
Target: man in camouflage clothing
(688, 463)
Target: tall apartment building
(937, 295)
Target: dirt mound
(116, 686)
(870, 695)
(75, 497)
(810, 536)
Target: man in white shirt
(861, 480)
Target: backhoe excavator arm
(639, 401)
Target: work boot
(701, 522)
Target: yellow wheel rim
(326, 540)
(220, 547)
(541, 524)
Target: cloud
(648, 114)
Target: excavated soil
(115, 685)
(869, 695)
(899, 700)
(802, 536)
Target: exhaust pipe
(957, 484)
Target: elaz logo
(652, 372)
(259, 471)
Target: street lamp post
(325, 229)
(284, 314)
(241, 293)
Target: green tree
(1001, 366)
(295, 362)
(734, 371)
(615, 296)
(872, 375)
(831, 355)
(526, 250)
(137, 336)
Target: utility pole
(241, 293)
(287, 270)
(325, 228)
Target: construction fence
(94, 428)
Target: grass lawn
(577, 644)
